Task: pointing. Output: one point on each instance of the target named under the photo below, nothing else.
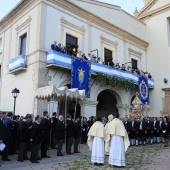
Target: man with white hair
(60, 134)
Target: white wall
(114, 15)
(158, 55)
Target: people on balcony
(142, 73)
(129, 69)
(72, 52)
(146, 74)
(94, 59)
(98, 60)
(111, 63)
(89, 56)
(123, 67)
(149, 76)
(117, 66)
(55, 46)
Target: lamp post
(15, 92)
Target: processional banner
(143, 90)
(81, 75)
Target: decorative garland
(117, 83)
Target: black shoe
(20, 160)
(69, 153)
(77, 152)
(54, 148)
(7, 159)
(100, 164)
(60, 154)
(39, 158)
(35, 162)
(26, 159)
(96, 164)
(46, 156)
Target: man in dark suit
(46, 131)
(128, 126)
(69, 134)
(55, 47)
(150, 130)
(134, 132)
(2, 132)
(54, 121)
(8, 129)
(77, 136)
(156, 130)
(23, 138)
(143, 131)
(14, 140)
(36, 135)
(60, 135)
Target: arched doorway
(106, 103)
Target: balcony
(18, 64)
(58, 59)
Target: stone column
(88, 108)
(121, 110)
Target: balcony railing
(17, 64)
(59, 59)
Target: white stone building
(156, 16)
(26, 35)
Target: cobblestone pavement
(150, 157)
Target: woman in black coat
(165, 131)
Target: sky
(127, 5)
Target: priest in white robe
(96, 142)
(119, 142)
(107, 146)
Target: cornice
(155, 12)
(90, 17)
(138, 54)
(18, 27)
(17, 13)
(145, 15)
(115, 44)
(65, 22)
(115, 7)
(146, 8)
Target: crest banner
(81, 75)
(143, 90)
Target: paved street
(150, 157)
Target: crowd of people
(147, 130)
(39, 134)
(113, 140)
(93, 58)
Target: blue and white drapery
(18, 62)
(64, 60)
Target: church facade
(26, 35)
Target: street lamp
(15, 92)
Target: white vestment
(117, 151)
(97, 155)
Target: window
(23, 41)
(168, 19)
(134, 63)
(107, 56)
(71, 42)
